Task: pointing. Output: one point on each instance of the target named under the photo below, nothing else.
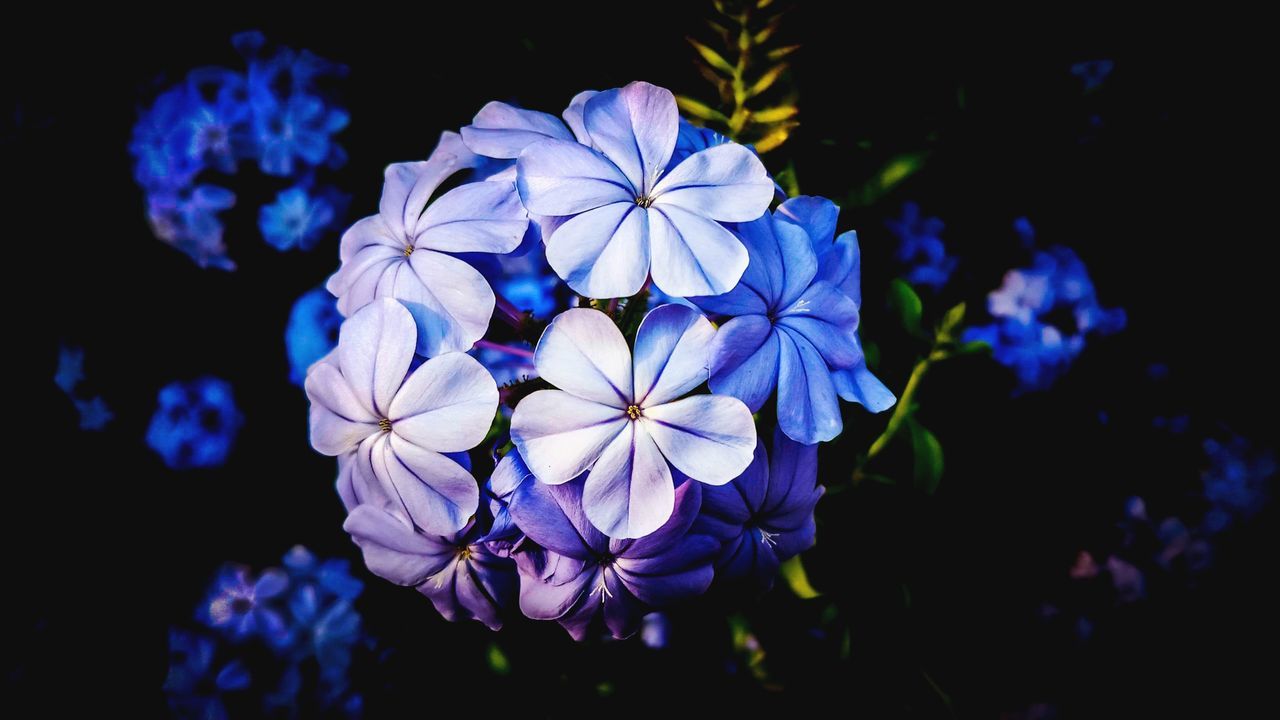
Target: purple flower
(295, 129)
(458, 572)
(194, 684)
(790, 325)
(187, 219)
(622, 417)
(583, 575)
(626, 216)
(766, 515)
(504, 536)
(402, 252)
(239, 604)
(399, 423)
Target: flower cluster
(921, 249)
(277, 113)
(630, 470)
(302, 614)
(195, 423)
(1042, 315)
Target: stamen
(408, 250)
(602, 589)
(384, 425)
(768, 538)
(644, 201)
(633, 412)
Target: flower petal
(842, 267)
(552, 516)
(737, 501)
(557, 177)
(673, 352)
(392, 549)
(573, 115)
(603, 252)
(367, 232)
(688, 500)
(629, 492)
(356, 282)
(635, 127)
(375, 347)
(857, 384)
(450, 300)
(827, 318)
(561, 435)
(476, 217)
(692, 255)
(500, 130)
(582, 352)
(446, 405)
(437, 494)
(799, 263)
(541, 600)
(744, 360)
(808, 411)
(623, 613)
(793, 488)
(684, 571)
(710, 438)
(724, 182)
(338, 420)
(817, 216)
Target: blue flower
(312, 331)
(215, 131)
(194, 684)
(627, 215)
(188, 220)
(1237, 481)
(921, 248)
(583, 577)
(765, 516)
(70, 368)
(241, 605)
(510, 473)
(195, 423)
(1043, 315)
(790, 325)
(296, 219)
(293, 129)
(624, 416)
(1093, 72)
(530, 292)
(94, 413)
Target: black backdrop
(107, 547)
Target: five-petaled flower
(624, 419)
(365, 400)
(403, 251)
(627, 215)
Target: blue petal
(744, 360)
(636, 128)
(629, 492)
(808, 411)
(710, 438)
(857, 384)
(500, 130)
(604, 252)
(557, 177)
(815, 215)
(692, 255)
(726, 183)
(672, 353)
(828, 319)
(478, 217)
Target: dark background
(107, 547)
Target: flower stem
(906, 403)
(517, 351)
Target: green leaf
(767, 80)
(711, 57)
(700, 110)
(786, 177)
(774, 137)
(951, 322)
(890, 176)
(793, 572)
(974, 347)
(906, 303)
(498, 661)
(775, 114)
(928, 457)
(762, 36)
(777, 54)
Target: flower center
(768, 538)
(633, 412)
(408, 250)
(240, 606)
(465, 552)
(384, 425)
(644, 201)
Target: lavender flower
(626, 215)
(239, 604)
(622, 417)
(365, 399)
(583, 577)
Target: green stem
(902, 410)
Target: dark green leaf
(711, 57)
(906, 303)
(928, 457)
(951, 322)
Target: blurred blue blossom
(312, 331)
(1042, 315)
(302, 614)
(195, 423)
(70, 368)
(277, 113)
(1236, 482)
(94, 413)
(296, 219)
(93, 410)
(1093, 72)
(920, 248)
